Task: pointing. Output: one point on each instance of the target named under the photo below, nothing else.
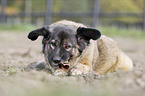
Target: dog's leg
(110, 57)
(41, 65)
(84, 64)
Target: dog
(74, 49)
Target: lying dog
(72, 48)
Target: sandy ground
(16, 51)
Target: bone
(64, 66)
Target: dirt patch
(16, 52)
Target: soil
(16, 52)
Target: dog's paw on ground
(80, 69)
(60, 72)
(76, 72)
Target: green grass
(108, 31)
(118, 32)
(16, 27)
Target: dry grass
(16, 52)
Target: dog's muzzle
(62, 65)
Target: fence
(92, 17)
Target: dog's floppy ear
(88, 33)
(44, 31)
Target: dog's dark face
(63, 44)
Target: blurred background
(121, 13)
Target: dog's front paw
(80, 69)
(60, 72)
(76, 72)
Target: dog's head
(62, 44)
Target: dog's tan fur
(101, 56)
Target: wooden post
(28, 11)
(48, 15)
(2, 14)
(95, 21)
(144, 17)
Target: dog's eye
(53, 44)
(68, 47)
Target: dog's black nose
(56, 59)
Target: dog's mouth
(64, 66)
